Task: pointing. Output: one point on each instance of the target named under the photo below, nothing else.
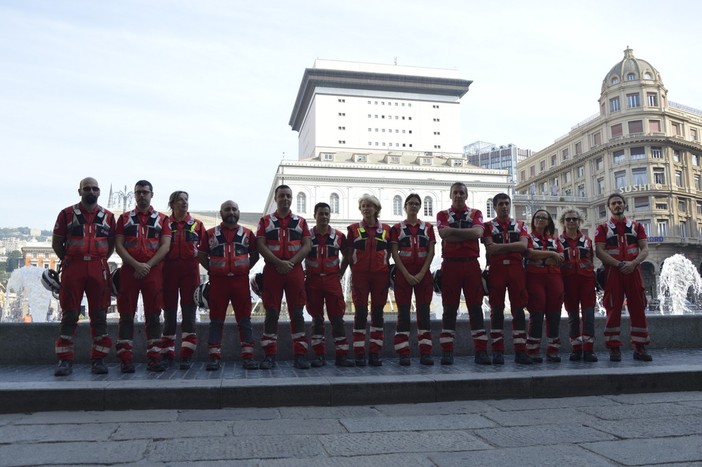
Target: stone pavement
(631, 429)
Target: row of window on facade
(633, 101)
(619, 157)
(634, 127)
(382, 143)
(389, 130)
(400, 104)
(631, 77)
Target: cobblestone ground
(636, 429)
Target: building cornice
(344, 79)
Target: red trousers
(545, 300)
(293, 285)
(580, 296)
(323, 290)
(179, 276)
(457, 276)
(423, 293)
(223, 290)
(507, 276)
(619, 285)
(362, 284)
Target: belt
(86, 258)
(459, 260)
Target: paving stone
(47, 418)
(234, 447)
(657, 397)
(386, 460)
(659, 427)
(329, 412)
(650, 450)
(553, 403)
(535, 456)
(697, 404)
(541, 435)
(164, 430)
(417, 423)
(435, 408)
(640, 411)
(108, 452)
(288, 426)
(540, 417)
(243, 413)
(352, 444)
(57, 433)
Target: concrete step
(32, 388)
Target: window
(641, 203)
(677, 129)
(637, 153)
(565, 154)
(698, 183)
(639, 176)
(630, 77)
(597, 139)
(662, 227)
(635, 127)
(615, 80)
(600, 186)
(301, 202)
(659, 175)
(654, 126)
(648, 75)
(599, 163)
(397, 206)
(522, 175)
(566, 177)
(428, 207)
(581, 191)
(602, 210)
(633, 100)
(695, 159)
(532, 171)
(334, 203)
(619, 179)
(488, 209)
(614, 104)
(676, 155)
(394, 159)
(578, 148)
(652, 98)
(661, 203)
(618, 156)
(683, 229)
(342, 114)
(699, 207)
(553, 160)
(425, 160)
(327, 156)
(542, 166)
(682, 206)
(580, 171)
(616, 130)
(679, 178)
(656, 152)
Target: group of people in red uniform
(162, 254)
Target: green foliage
(13, 259)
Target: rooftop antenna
(395, 60)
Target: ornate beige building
(639, 144)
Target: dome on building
(630, 69)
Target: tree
(14, 259)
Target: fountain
(679, 287)
(30, 298)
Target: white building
(385, 130)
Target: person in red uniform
(622, 245)
(506, 240)
(283, 239)
(412, 244)
(578, 273)
(83, 239)
(544, 286)
(323, 285)
(181, 273)
(228, 252)
(142, 241)
(460, 227)
(368, 252)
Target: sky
(196, 95)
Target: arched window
(397, 206)
(630, 77)
(301, 202)
(428, 207)
(615, 80)
(334, 203)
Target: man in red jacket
(228, 252)
(83, 239)
(143, 240)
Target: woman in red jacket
(578, 273)
(368, 252)
(545, 287)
